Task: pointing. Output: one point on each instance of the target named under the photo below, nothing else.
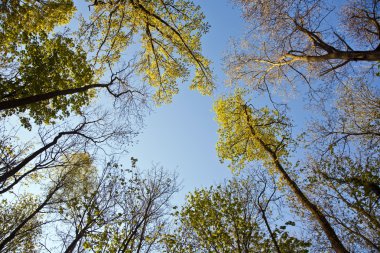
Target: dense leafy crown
(169, 33)
(246, 132)
(50, 70)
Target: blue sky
(181, 136)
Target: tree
(349, 186)
(48, 68)
(119, 210)
(343, 162)
(170, 36)
(34, 63)
(143, 209)
(22, 161)
(26, 217)
(247, 134)
(110, 210)
(232, 217)
(307, 40)
(50, 74)
(295, 43)
(14, 237)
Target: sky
(181, 136)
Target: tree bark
(18, 102)
(74, 243)
(270, 230)
(339, 55)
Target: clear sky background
(181, 136)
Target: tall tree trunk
(336, 244)
(339, 55)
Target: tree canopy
(50, 69)
(76, 77)
(230, 218)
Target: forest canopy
(78, 77)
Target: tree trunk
(339, 55)
(74, 243)
(18, 102)
(336, 244)
(270, 230)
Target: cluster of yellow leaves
(78, 176)
(169, 33)
(19, 19)
(226, 218)
(216, 220)
(48, 65)
(40, 62)
(11, 214)
(246, 134)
